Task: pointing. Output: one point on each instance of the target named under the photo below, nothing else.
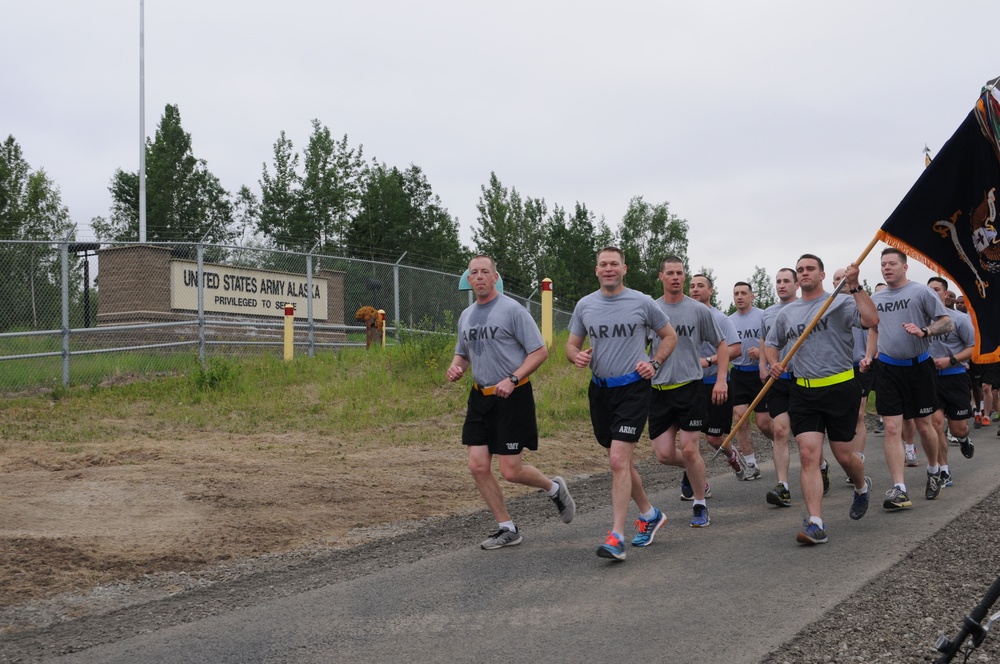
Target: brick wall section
(134, 284)
(334, 296)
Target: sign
(235, 290)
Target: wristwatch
(855, 290)
(952, 361)
(656, 365)
(709, 360)
(924, 330)
(514, 379)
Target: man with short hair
(500, 340)
(825, 396)
(910, 314)
(745, 377)
(619, 321)
(715, 368)
(678, 406)
(786, 285)
(950, 352)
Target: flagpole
(727, 443)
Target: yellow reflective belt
(842, 377)
(664, 388)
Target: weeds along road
(734, 592)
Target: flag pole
(727, 443)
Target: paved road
(729, 593)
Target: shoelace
(612, 540)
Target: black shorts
(718, 418)
(682, 407)
(507, 426)
(908, 391)
(745, 386)
(953, 395)
(777, 397)
(976, 372)
(866, 380)
(991, 374)
(619, 413)
(832, 410)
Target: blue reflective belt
(711, 380)
(788, 375)
(911, 362)
(746, 367)
(951, 371)
(617, 381)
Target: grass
(351, 392)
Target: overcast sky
(773, 128)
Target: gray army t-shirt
(496, 337)
(829, 348)
(910, 303)
(695, 325)
(618, 327)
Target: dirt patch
(74, 519)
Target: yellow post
(381, 321)
(547, 311)
(289, 331)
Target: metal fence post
(309, 300)
(395, 290)
(201, 304)
(64, 265)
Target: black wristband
(855, 290)
(924, 330)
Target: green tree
(31, 211)
(570, 245)
(647, 234)
(763, 288)
(510, 232)
(331, 187)
(281, 215)
(400, 213)
(185, 202)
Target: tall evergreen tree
(184, 201)
(647, 234)
(510, 232)
(763, 288)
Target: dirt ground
(73, 519)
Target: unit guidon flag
(948, 219)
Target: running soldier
(715, 367)
(786, 285)
(950, 352)
(825, 396)
(678, 405)
(619, 321)
(910, 314)
(498, 337)
(864, 377)
(745, 382)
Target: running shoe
(700, 518)
(501, 538)
(946, 479)
(896, 499)
(779, 496)
(564, 501)
(687, 491)
(968, 449)
(752, 472)
(951, 439)
(933, 489)
(879, 428)
(995, 416)
(811, 534)
(860, 504)
(911, 459)
(647, 529)
(612, 548)
(978, 422)
(986, 420)
(824, 470)
(738, 464)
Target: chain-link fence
(87, 313)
